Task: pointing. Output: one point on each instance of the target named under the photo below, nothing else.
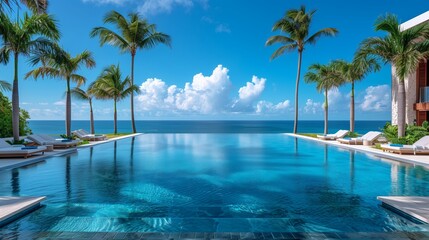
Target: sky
(218, 67)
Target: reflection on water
(215, 182)
(15, 182)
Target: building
(416, 85)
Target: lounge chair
(419, 147)
(335, 136)
(9, 151)
(369, 138)
(82, 134)
(48, 140)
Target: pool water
(215, 183)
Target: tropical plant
(109, 85)
(133, 35)
(5, 86)
(412, 133)
(326, 77)
(62, 65)
(295, 24)
(37, 6)
(403, 49)
(87, 95)
(6, 129)
(33, 34)
(352, 72)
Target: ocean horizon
(204, 126)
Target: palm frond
(5, 86)
(79, 79)
(107, 36)
(80, 94)
(43, 72)
(278, 39)
(283, 49)
(324, 32)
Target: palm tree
(5, 86)
(26, 37)
(37, 6)
(295, 24)
(134, 34)
(352, 72)
(326, 78)
(81, 94)
(109, 85)
(62, 65)
(403, 49)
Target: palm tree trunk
(133, 124)
(115, 128)
(15, 102)
(91, 117)
(68, 109)
(295, 125)
(352, 108)
(326, 112)
(401, 108)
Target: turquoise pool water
(215, 183)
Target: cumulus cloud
(377, 99)
(247, 95)
(268, 107)
(312, 107)
(204, 95)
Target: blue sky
(218, 66)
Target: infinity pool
(215, 183)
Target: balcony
(423, 105)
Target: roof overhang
(422, 18)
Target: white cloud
(312, 107)
(204, 95)
(252, 90)
(166, 6)
(247, 95)
(222, 28)
(153, 7)
(58, 103)
(264, 107)
(377, 99)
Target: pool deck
(9, 163)
(416, 207)
(421, 160)
(12, 207)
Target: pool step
(12, 208)
(416, 207)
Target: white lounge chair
(419, 147)
(9, 151)
(82, 134)
(339, 134)
(369, 137)
(48, 140)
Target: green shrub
(352, 134)
(425, 124)
(6, 119)
(412, 133)
(72, 137)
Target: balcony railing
(424, 94)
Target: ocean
(58, 126)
